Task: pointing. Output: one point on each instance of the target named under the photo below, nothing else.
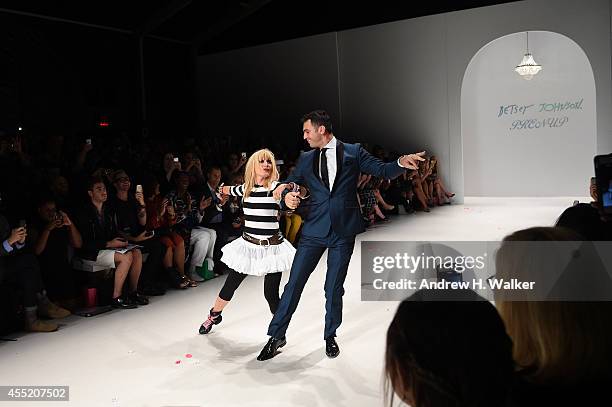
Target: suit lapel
(315, 167)
(339, 159)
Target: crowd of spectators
(146, 210)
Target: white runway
(128, 358)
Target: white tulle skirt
(256, 260)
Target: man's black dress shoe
(138, 299)
(331, 348)
(121, 303)
(271, 348)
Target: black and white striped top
(260, 210)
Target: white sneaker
(196, 277)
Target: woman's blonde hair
(555, 341)
(249, 171)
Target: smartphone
(149, 233)
(139, 188)
(88, 141)
(603, 181)
(176, 159)
(243, 154)
(22, 223)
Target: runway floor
(129, 358)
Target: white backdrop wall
(399, 84)
(528, 138)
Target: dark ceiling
(228, 24)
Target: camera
(603, 181)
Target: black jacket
(94, 233)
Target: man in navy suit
(330, 172)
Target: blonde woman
(261, 250)
(561, 345)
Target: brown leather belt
(272, 240)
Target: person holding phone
(131, 214)
(234, 166)
(21, 267)
(261, 250)
(51, 233)
(101, 242)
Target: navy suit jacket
(338, 209)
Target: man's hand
(55, 223)
(65, 219)
(593, 190)
(18, 235)
(205, 202)
(143, 236)
(223, 200)
(292, 200)
(411, 161)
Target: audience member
(103, 245)
(448, 349)
(52, 235)
(20, 267)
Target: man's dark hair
(93, 181)
(211, 168)
(44, 199)
(319, 118)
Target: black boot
(214, 318)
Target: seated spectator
(236, 210)
(103, 245)
(217, 216)
(561, 347)
(170, 167)
(193, 166)
(436, 188)
(51, 235)
(161, 217)
(584, 219)
(20, 267)
(448, 348)
(60, 190)
(189, 215)
(417, 189)
(131, 216)
(234, 167)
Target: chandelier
(528, 67)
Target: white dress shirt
(332, 165)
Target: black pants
(152, 270)
(23, 270)
(271, 285)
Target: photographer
(51, 235)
